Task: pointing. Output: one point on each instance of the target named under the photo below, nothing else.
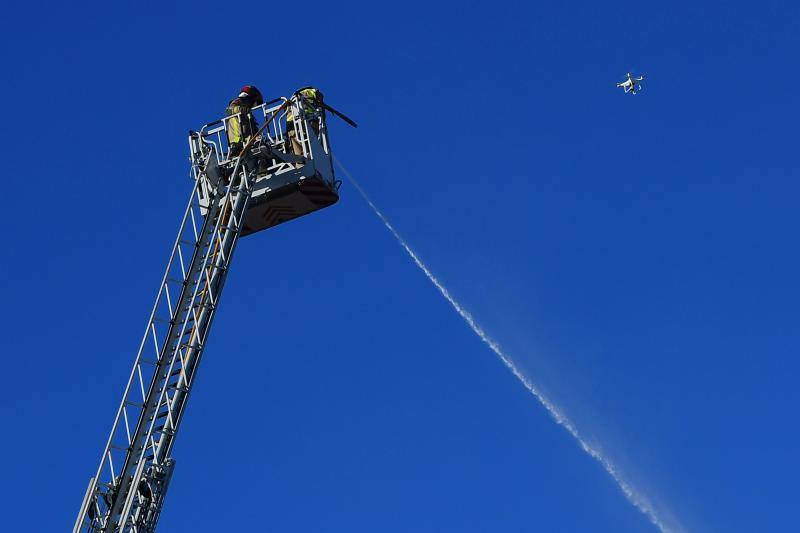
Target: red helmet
(250, 91)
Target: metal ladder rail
(212, 270)
(187, 356)
(120, 442)
(108, 485)
(100, 491)
(92, 514)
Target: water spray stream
(633, 496)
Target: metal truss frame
(127, 492)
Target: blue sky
(636, 257)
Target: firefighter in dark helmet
(311, 101)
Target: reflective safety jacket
(312, 100)
(241, 126)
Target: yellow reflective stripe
(308, 94)
(234, 130)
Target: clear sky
(635, 255)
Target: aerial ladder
(284, 171)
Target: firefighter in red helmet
(241, 125)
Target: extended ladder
(284, 173)
(128, 490)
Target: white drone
(631, 85)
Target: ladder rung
(175, 386)
(165, 431)
(212, 266)
(195, 345)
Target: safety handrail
(275, 133)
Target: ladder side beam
(211, 271)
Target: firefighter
(242, 125)
(312, 103)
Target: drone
(631, 85)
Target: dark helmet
(252, 93)
(312, 93)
